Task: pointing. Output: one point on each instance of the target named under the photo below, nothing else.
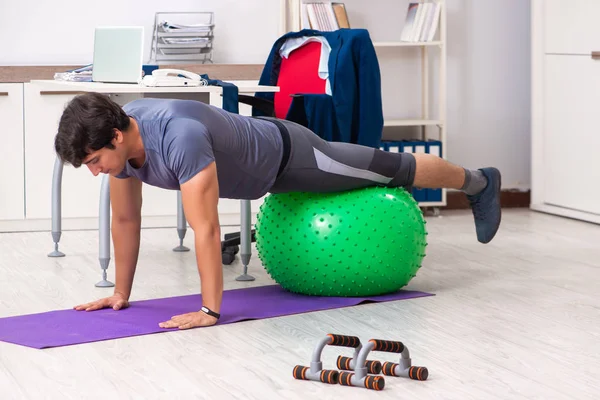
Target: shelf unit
(407, 44)
(291, 20)
(169, 45)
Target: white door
(12, 190)
(571, 27)
(572, 132)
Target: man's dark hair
(87, 125)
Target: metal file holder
(182, 37)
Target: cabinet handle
(595, 55)
(59, 92)
(3, 93)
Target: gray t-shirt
(181, 137)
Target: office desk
(122, 94)
(116, 88)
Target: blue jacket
(353, 113)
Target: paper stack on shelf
(83, 74)
(421, 22)
(169, 27)
(182, 37)
(324, 16)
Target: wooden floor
(518, 318)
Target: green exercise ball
(363, 242)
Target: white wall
(489, 86)
(488, 59)
(36, 32)
(488, 79)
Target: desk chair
(339, 103)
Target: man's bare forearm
(210, 268)
(126, 240)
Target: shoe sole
(498, 191)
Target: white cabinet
(80, 189)
(12, 191)
(565, 109)
(571, 133)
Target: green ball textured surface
(363, 242)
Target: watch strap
(210, 312)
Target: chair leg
(245, 240)
(181, 224)
(104, 231)
(56, 207)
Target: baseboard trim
(455, 200)
(82, 224)
(509, 198)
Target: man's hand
(200, 197)
(116, 301)
(189, 320)
(126, 203)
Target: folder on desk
(393, 147)
(434, 147)
(407, 146)
(417, 146)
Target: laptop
(118, 54)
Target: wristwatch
(210, 312)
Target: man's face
(107, 161)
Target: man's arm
(200, 196)
(126, 202)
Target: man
(209, 153)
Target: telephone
(173, 77)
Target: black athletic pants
(311, 164)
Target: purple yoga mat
(69, 327)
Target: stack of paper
(421, 22)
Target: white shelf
(431, 114)
(407, 44)
(432, 203)
(412, 122)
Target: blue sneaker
(486, 206)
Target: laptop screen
(118, 54)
